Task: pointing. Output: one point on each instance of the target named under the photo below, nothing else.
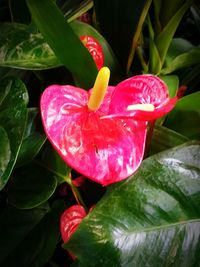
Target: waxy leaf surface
(13, 113)
(151, 219)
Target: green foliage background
(152, 218)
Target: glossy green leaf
(164, 138)
(13, 113)
(168, 9)
(30, 187)
(33, 139)
(118, 22)
(172, 83)
(64, 42)
(30, 148)
(185, 117)
(177, 47)
(4, 151)
(15, 225)
(163, 40)
(41, 241)
(151, 219)
(23, 49)
(184, 60)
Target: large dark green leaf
(30, 148)
(33, 139)
(151, 219)
(177, 47)
(184, 60)
(118, 22)
(15, 225)
(13, 113)
(185, 117)
(30, 187)
(64, 42)
(23, 49)
(38, 246)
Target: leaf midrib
(154, 228)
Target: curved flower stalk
(98, 133)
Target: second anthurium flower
(102, 133)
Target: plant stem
(141, 58)
(137, 34)
(76, 192)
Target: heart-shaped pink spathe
(106, 145)
(141, 89)
(104, 150)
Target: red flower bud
(95, 50)
(70, 220)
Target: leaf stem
(76, 192)
(137, 34)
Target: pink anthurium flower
(98, 133)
